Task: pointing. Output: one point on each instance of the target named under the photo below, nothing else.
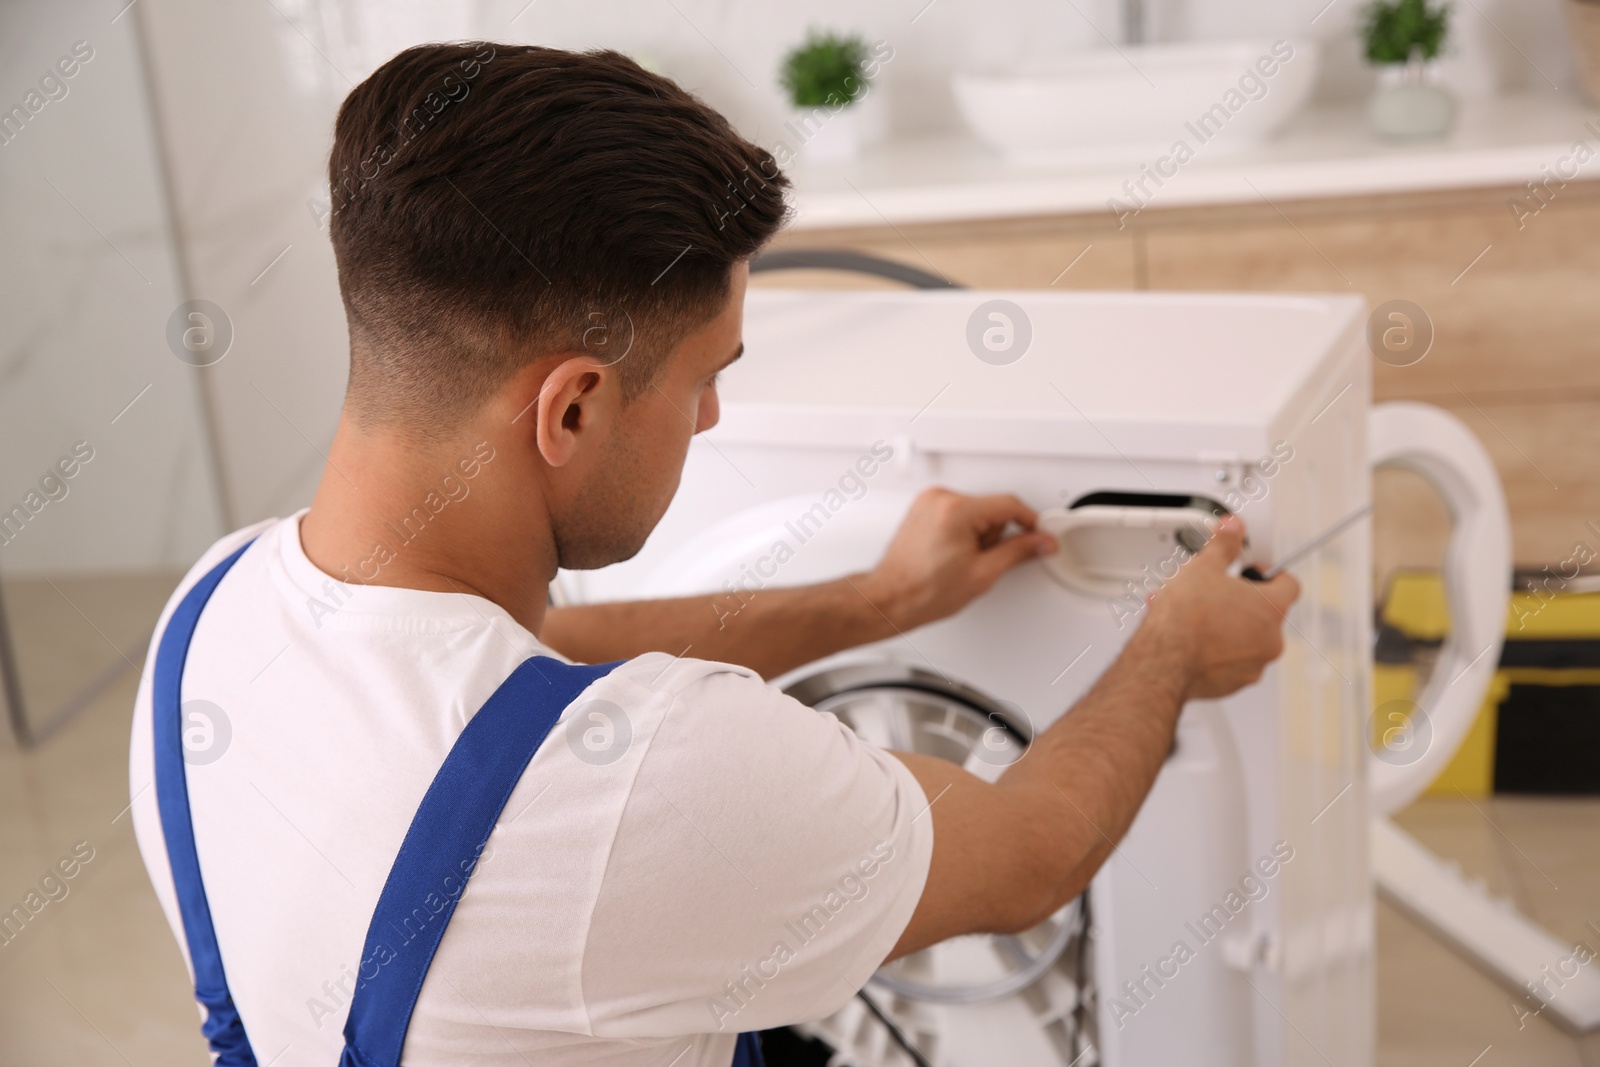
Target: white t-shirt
(744, 862)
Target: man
(741, 862)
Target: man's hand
(1227, 629)
(1009, 854)
(949, 550)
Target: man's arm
(949, 550)
(1008, 855)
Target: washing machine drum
(914, 710)
(946, 996)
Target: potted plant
(828, 80)
(1403, 39)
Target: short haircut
(492, 204)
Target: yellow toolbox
(1538, 730)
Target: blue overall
(440, 848)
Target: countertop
(1321, 152)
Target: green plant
(1395, 28)
(829, 68)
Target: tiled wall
(87, 281)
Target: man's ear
(572, 400)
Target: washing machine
(1234, 923)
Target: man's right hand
(1228, 628)
(1008, 855)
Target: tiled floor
(1433, 1009)
(95, 978)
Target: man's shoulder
(220, 550)
(658, 688)
(705, 717)
(669, 675)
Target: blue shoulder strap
(441, 849)
(222, 1027)
(438, 855)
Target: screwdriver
(1311, 546)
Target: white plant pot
(826, 135)
(1409, 104)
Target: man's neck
(458, 517)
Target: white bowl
(1114, 103)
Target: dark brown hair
(495, 203)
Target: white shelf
(1322, 152)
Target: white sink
(1136, 102)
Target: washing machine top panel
(1031, 367)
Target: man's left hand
(950, 549)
